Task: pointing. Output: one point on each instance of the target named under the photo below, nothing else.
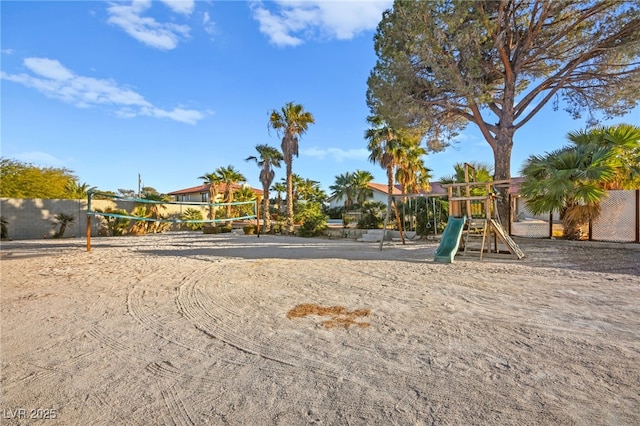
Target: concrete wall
(31, 218)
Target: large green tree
(444, 64)
(268, 158)
(292, 121)
(23, 180)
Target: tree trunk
(502, 165)
(389, 201)
(266, 216)
(289, 225)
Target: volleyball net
(118, 215)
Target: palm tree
(279, 188)
(292, 121)
(624, 142)
(308, 190)
(412, 175)
(269, 158)
(570, 180)
(212, 179)
(384, 146)
(244, 193)
(360, 184)
(229, 176)
(343, 188)
(78, 190)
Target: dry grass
(339, 315)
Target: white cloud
(160, 35)
(208, 24)
(338, 154)
(39, 158)
(48, 68)
(54, 80)
(291, 21)
(180, 6)
(7, 51)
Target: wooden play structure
(483, 233)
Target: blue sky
(175, 89)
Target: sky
(171, 90)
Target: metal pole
(258, 216)
(88, 222)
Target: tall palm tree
(292, 121)
(360, 183)
(570, 180)
(384, 146)
(229, 176)
(269, 158)
(212, 179)
(343, 188)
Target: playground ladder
(483, 229)
(476, 229)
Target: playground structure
(474, 226)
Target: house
(200, 194)
(380, 193)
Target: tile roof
(205, 188)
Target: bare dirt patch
(194, 329)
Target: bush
(193, 214)
(314, 222)
(114, 226)
(4, 227)
(372, 215)
(249, 229)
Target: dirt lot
(207, 329)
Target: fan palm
(229, 176)
(269, 158)
(343, 189)
(412, 175)
(569, 180)
(384, 146)
(360, 184)
(212, 179)
(624, 142)
(292, 121)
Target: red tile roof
(205, 188)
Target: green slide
(450, 240)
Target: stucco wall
(31, 218)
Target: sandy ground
(186, 329)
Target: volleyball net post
(142, 215)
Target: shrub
(4, 228)
(372, 215)
(114, 226)
(226, 228)
(193, 214)
(249, 229)
(314, 222)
